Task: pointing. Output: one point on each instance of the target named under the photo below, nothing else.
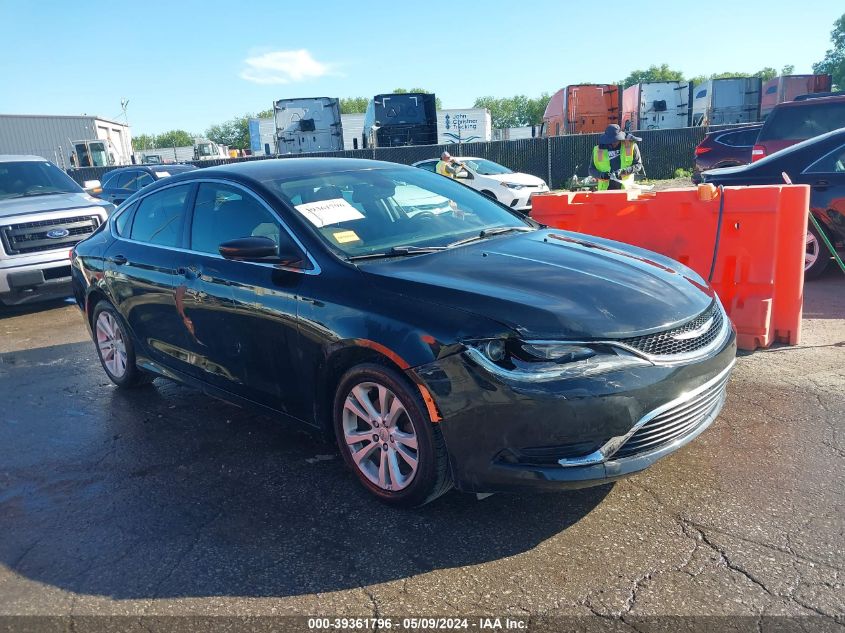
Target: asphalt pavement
(163, 502)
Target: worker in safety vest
(616, 159)
(448, 166)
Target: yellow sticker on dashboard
(344, 237)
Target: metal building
(53, 136)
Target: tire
(115, 348)
(384, 469)
(817, 257)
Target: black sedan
(469, 347)
(119, 184)
(818, 162)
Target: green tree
(652, 73)
(144, 141)
(502, 111)
(234, 132)
(265, 114)
(834, 60)
(353, 105)
(174, 138)
(514, 111)
(788, 69)
(536, 109)
(402, 91)
(766, 73)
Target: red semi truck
(788, 87)
(582, 109)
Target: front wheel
(387, 438)
(815, 256)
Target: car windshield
(34, 178)
(375, 211)
(486, 167)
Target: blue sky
(187, 64)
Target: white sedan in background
(511, 188)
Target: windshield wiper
(491, 232)
(398, 251)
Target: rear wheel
(816, 257)
(387, 438)
(115, 348)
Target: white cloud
(283, 67)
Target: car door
(140, 272)
(240, 317)
(826, 178)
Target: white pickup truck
(43, 214)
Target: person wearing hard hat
(616, 159)
(448, 166)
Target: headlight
(533, 361)
(512, 185)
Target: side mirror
(464, 174)
(263, 250)
(250, 249)
(92, 187)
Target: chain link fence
(555, 159)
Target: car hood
(52, 202)
(517, 178)
(552, 285)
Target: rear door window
(741, 138)
(832, 163)
(143, 180)
(124, 179)
(804, 121)
(121, 222)
(110, 180)
(159, 217)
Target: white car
(511, 188)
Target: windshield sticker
(162, 174)
(327, 212)
(344, 237)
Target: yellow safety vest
(441, 169)
(601, 160)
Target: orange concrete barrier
(759, 244)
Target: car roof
(268, 169)
(149, 168)
(21, 158)
(808, 101)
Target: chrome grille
(677, 340)
(31, 237)
(677, 421)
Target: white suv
(43, 214)
(511, 188)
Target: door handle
(821, 183)
(120, 260)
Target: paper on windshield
(327, 212)
(162, 174)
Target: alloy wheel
(111, 345)
(380, 436)
(811, 254)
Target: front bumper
(32, 282)
(505, 436)
(520, 199)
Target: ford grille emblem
(57, 234)
(700, 331)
